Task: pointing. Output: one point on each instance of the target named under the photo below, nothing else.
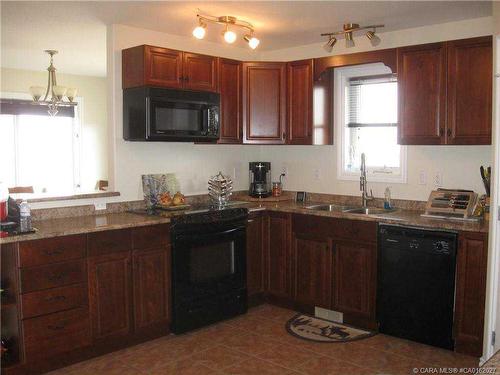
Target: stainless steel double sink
(350, 209)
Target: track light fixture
(328, 47)
(348, 32)
(229, 35)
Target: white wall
(459, 165)
(194, 164)
(94, 125)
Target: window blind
(26, 107)
(361, 100)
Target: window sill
(35, 198)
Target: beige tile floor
(257, 343)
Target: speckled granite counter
(94, 223)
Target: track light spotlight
(328, 47)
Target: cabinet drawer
(111, 241)
(57, 333)
(356, 230)
(51, 276)
(51, 250)
(151, 237)
(53, 300)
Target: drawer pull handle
(53, 252)
(55, 298)
(56, 277)
(56, 327)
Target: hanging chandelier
(348, 30)
(54, 94)
(229, 22)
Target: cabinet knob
(448, 132)
(441, 132)
(186, 79)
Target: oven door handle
(190, 236)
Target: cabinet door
(470, 68)
(264, 103)
(200, 72)
(311, 270)
(109, 294)
(163, 67)
(151, 280)
(255, 256)
(300, 97)
(278, 257)
(230, 101)
(470, 294)
(422, 94)
(354, 281)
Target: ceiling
(78, 29)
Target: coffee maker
(260, 179)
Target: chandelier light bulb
(252, 41)
(229, 36)
(199, 31)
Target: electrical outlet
(99, 206)
(422, 178)
(317, 174)
(438, 179)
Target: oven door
(177, 120)
(204, 265)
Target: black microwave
(156, 114)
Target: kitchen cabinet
(151, 280)
(300, 102)
(264, 103)
(110, 279)
(470, 68)
(278, 255)
(354, 282)
(255, 258)
(470, 292)
(312, 270)
(445, 93)
(422, 94)
(163, 67)
(230, 75)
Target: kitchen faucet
(363, 183)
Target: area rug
(320, 330)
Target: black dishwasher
(416, 284)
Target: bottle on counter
(25, 217)
(387, 198)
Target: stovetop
(193, 209)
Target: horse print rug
(320, 330)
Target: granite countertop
(94, 223)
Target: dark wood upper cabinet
(231, 130)
(470, 71)
(200, 72)
(422, 94)
(264, 103)
(163, 67)
(470, 295)
(278, 255)
(110, 294)
(300, 102)
(312, 270)
(151, 280)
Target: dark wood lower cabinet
(110, 294)
(151, 279)
(255, 258)
(312, 270)
(354, 282)
(278, 255)
(470, 292)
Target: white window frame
(77, 138)
(341, 78)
